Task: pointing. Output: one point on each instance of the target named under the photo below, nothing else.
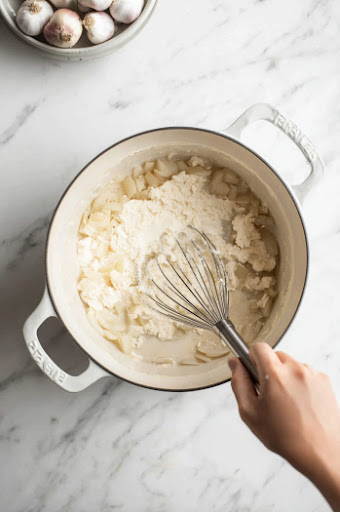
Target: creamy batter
(124, 225)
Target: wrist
(324, 473)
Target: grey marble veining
(22, 117)
(117, 447)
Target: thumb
(242, 386)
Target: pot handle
(64, 380)
(263, 111)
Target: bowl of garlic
(115, 213)
(76, 29)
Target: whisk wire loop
(203, 288)
(221, 274)
(169, 313)
(207, 300)
(217, 265)
(211, 281)
(178, 292)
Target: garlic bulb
(33, 15)
(97, 5)
(100, 27)
(126, 11)
(64, 29)
(65, 4)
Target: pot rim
(154, 130)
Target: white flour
(181, 201)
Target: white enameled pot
(61, 298)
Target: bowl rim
(155, 130)
(94, 50)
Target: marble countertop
(114, 446)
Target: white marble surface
(117, 447)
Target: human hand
(296, 415)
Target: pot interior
(63, 268)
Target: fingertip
(255, 350)
(262, 351)
(264, 358)
(259, 347)
(283, 357)
(232, 363)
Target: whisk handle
(227, 332)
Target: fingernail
(232, 364)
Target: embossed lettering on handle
(46, 363)
(301, 140)
(265, 112)
(72, 383)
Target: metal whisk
(193, 289)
